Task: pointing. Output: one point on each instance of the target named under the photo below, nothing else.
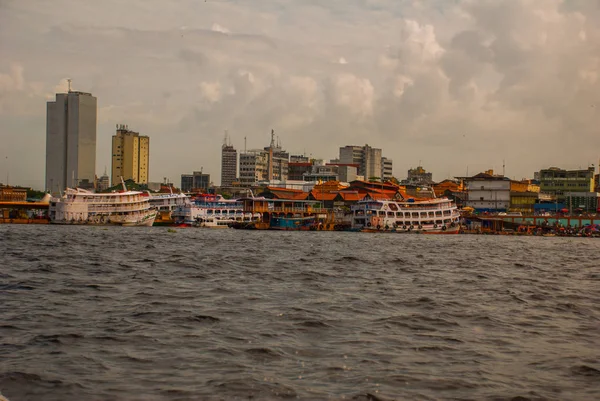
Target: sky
(454, 85)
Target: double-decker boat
(165, 204)
(432, 216)
(212, 211)
(79, 206)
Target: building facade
(254, 166)
(71, 141)
(130, 156)
(371, 165)
(228, 165)
(558, 182)
(387, 169)
(419, 176)
(198, 181)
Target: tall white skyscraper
(71, 141)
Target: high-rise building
(71, 141)
(103, 182)
(387, 169)
(254, 167)
(228, 165)
(130, 156)
(369, 160)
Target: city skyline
(439, 84)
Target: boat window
(438, 222)
(381, 213)
(447, 212)
(438, 213)
(415, 215)
(391, 214)
(393, 206)
(431, 214)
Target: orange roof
(351, 196)
(286, 193)
(323, 196)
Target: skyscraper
(71, 141)
(228, 165)
(130, 156)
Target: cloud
(218, 28)
(447, 83)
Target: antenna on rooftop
(503, 168)
(69, 81)
(245, 145)
(225, 139)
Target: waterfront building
(322, 173)
(130, 156)
(558, 182)
(70, 141)
(198, 181)
(228, 165)
(12, 194)
(497, 193)
(369, 160)
(582, 202)
(299, 159)
(419, 176)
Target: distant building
(130, 156)
(419, 176)
(346, 172)
(490, 192)
(253, 167)
(228, 165)
(197, 181)
(12, 194)
(299, 159)
(103, 182)
(387, 169)
(71, 141)
(277, 168)
(558, 182)
(297, 169)
(368, 159)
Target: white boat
(212, 211)
(79, 206)
(432, 216)
(166, 204)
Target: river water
(96, 313)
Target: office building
(198, 181)
(130, 156)
(228, 165)
(418, 176)
(369, 160)
(71, 141)
(387, 169)
(254, 167)
(558, 182)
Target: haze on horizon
(448, 83)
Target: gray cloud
(446, 83)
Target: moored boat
(79, 206)
(212, 211)
(431, 216)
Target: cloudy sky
(452, 84)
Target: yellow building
(130, 156)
